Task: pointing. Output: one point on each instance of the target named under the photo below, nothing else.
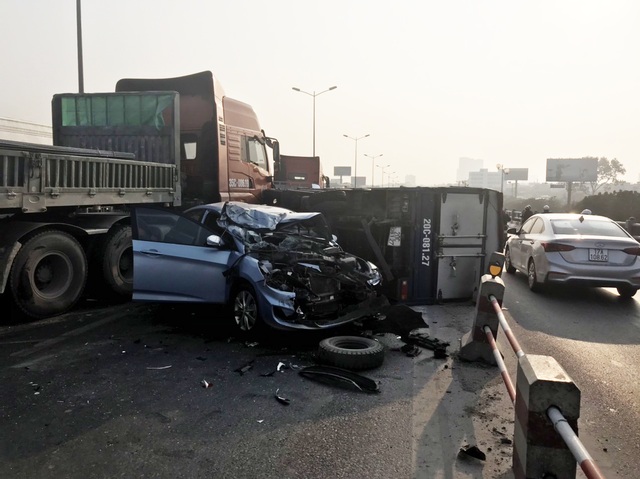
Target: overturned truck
(430, 244)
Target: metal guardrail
(560, 424)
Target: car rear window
(594, 228)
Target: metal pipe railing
(505, 327)
(560, 424)
(503, 369)
(572, 441)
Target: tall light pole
(373, 160)
(355, 173)
(382, 174)
(314, 95)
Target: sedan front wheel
(245, 309)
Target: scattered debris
(411, 350)
(201, 358)
(205, 384)
(251, 344)
(421, 338)
(340, 377)
(158, 368)
(281, 367)
(245, 368)
(260, 421)
(472, 451)
(282, 400)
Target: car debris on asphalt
(340, 377)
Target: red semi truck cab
(222, 147)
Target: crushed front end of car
(309, 281)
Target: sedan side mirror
(512, 231)
(215, 240)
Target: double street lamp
(373, 161)
(314, 95)
(355, 173)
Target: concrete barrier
(475, 346)
(539, 451)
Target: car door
(172, 261)
(531, 241)
(519, 244)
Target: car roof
(257, 216)
(567, 216)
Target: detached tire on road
(49, 274)
(351, 352)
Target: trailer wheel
(351, 352)
(117, 260)
(49, 274)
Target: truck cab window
(254, 152)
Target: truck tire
(117, 260)
(49, 274)
(351, 352)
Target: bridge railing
(546, 400)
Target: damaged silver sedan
(272, 265)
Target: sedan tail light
(635, 251)
(555, 247)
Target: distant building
(466, 166)
(485, 179)
(410, 181)
(18, 130)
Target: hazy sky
(508, 82)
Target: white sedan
(568, 248)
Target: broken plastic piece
(158, 368)
(281, 367)
(282, 400)
(205, 384)
(338, 376)
(472, 451)
(245, 368)
(411, 350)
(251, 344)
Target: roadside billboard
(516, 174)
(572, 169)
(341, 171)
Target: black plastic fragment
(472, 451)
(245, 368)
(281, 399)
(411, 350)
(340, 377)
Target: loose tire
(117, 260)
(507, 262)
(351, 352)
(532, 277)
(246, 313)
(49, 274)
(627, 292)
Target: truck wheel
(117, 260)
(49, 274)
(351, 352)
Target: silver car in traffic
(567, 248)
(273, 266)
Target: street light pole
(314, 95)
(373, 160)
(355, 173)
(382, 173)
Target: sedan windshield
(591, 228)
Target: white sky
(509, 82)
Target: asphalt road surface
(116, 391)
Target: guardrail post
(475, 345)
(538, 449)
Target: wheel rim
(52, 275)
(532, 275)
(245, 311)
(125, 264)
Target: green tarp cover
(115, 110)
